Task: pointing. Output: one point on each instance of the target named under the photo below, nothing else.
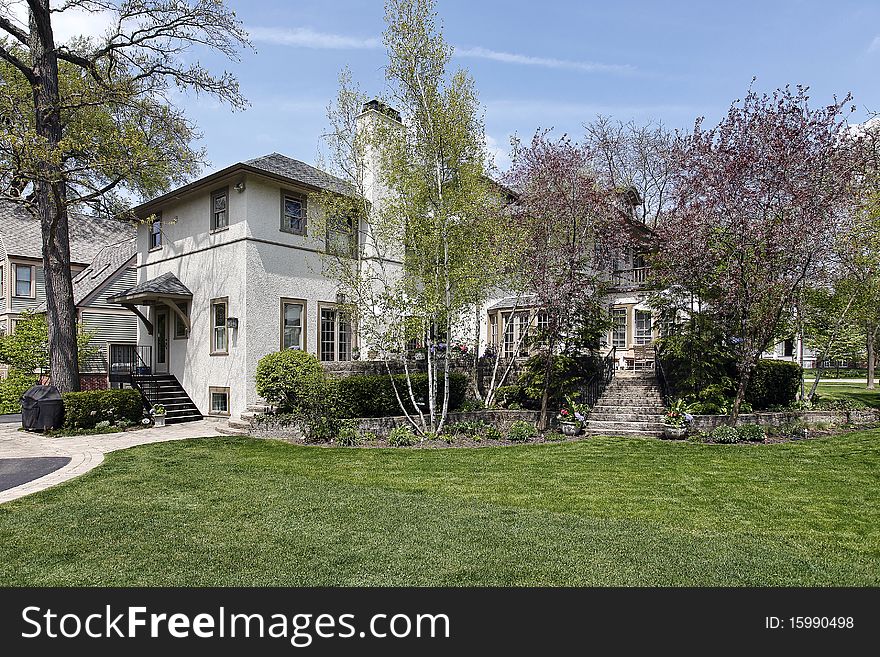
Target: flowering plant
(677, 414)
(572, 411)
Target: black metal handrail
(660, 374)
(130, 364)
(600, 379)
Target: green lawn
(831, 390)
(604, 511)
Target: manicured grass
(831, 390)
(604, 511)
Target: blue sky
(552, 64)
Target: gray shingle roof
(165, 285)
(108, 262)
(281, 165)
(21, 235)
(523, 302)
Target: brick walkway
(85, 452)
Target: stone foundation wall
(858, 418)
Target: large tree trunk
(744, 378)
(872, 334)
(51, 206)
(544, 422)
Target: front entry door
(162, 342)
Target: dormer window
(293, 213)
(220, 209)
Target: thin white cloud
(305, 37)
(874, 45)
(544, 62)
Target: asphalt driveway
(17, 471)
(10, 419)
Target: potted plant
(677, 419)
(572, 416)
(158, 414)
(355, 353)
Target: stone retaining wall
(381, 426)
(857, 418)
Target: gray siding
(20, 304)
(126, 281)
(107, 329)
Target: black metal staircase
(166, 390)
(130, 365)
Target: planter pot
(159, 420)
(674, 432)
(570, 428)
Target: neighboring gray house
(103, 259)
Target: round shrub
(724, 434)
(774, 383)
(291, 379)
(402, 437)
(521, 431)
(751, 433)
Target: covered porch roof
(166, 290)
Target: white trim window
(336, 338)
(644, 329)
(292, 313)
(24, 281)
(219, 401)
(219, 332)
(293, 213)
(618, 330)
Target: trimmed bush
(291, 379)
(521, 431)
(373, 395)
(774, 383)
(85, 410)
(751, 433)
(12, 388)
(724, 434)
(402, 437)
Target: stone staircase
(631, 405)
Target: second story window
(293, 213)
(156, 232)
(24, 281)
(219, 209)
(342, 236)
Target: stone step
(644, 400)
(623, 433)
(623, 424)
(626, 408)
(626, 417)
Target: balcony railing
(636, 276)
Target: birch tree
(427, 243)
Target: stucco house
(230, 269)
(103, 258)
